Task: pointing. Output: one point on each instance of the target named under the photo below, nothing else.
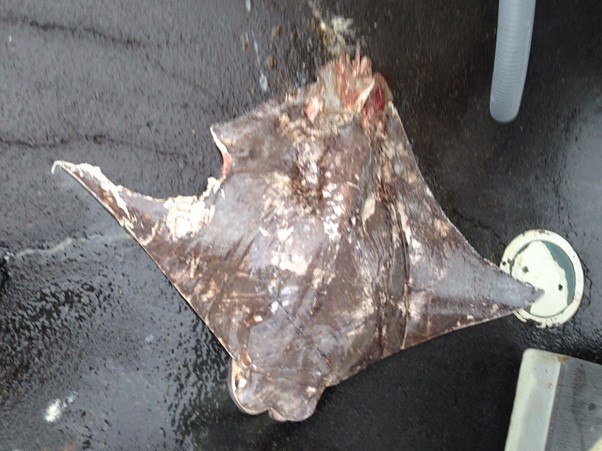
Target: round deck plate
(547, 261)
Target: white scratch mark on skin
(334, 203)
(294, 263)
(283, 235)
(151, 236)
(248, 5)
(352, 332)
(121, 235)
(331, 229)
(369, 208)
(185, 214)
(289, 290)
(182, 222)
(120, 202)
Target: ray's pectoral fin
(170, 230)
(138, 214)
(464, 290)
(450, 286)
(167, 229)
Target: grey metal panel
(576, 422)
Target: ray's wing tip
(536, 294)
(528, 295)
(519, 301)
(76, 169)
(65, 165)
(80, 171)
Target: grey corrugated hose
(515, 27)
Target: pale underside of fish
(320, 250)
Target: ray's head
(346, 84)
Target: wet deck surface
(98, 350)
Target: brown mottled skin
(321, 250)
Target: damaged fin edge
(226, 158)
(79, 173)
(234, 378)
